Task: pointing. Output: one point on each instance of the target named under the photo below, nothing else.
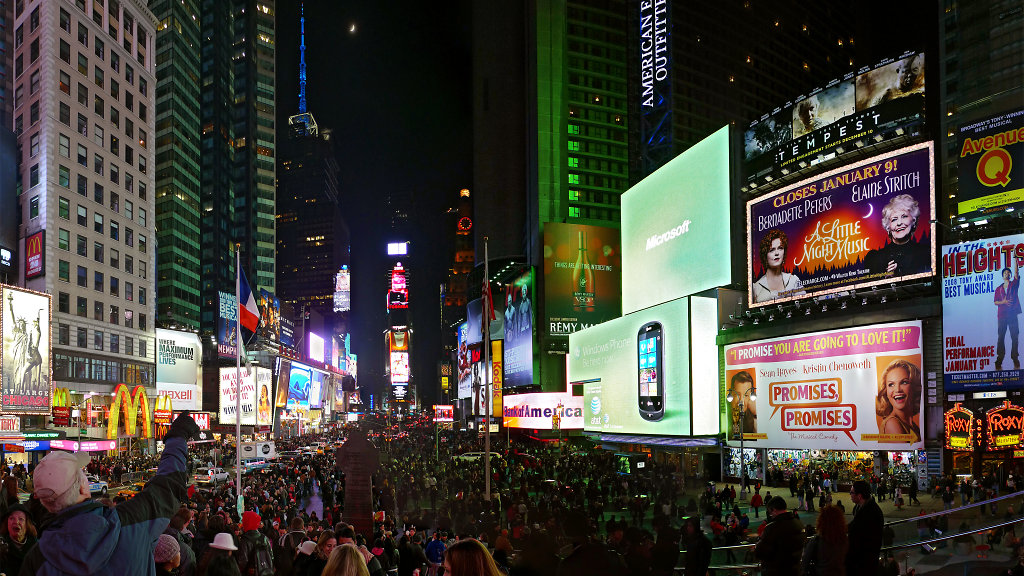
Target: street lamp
(749, 394)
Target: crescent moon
(871, 210)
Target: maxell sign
(177, 368)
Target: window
(97, 223)
(83, 34)
(83, 186)
(115, 145)
(19, 36)
(129, 265)
(142, 217)
(97, 76)
(129, 291)
(65, 51)
(129, 319)
(83, 156)
(83, 277)
(115, 116)
(129, 155)
(97, 106)
(129, 73)
(82, 306)
(97, 135)
(115, 315)
(83, 125)
(33, 113)
(143, 137)
(129, 101)
(115, 62)
(98, 283)
(97, 252)
(128, 210)
(142, 347)
(142, 244)
(115, 345)
(83, 216)
(83, 96)
(100, 49)
(142, 295)
(143, 87)
(142, 321)
(65, 21)
(115, 89)
(97, 310)
(143, 112)
(83, 64)
(115, 258)
(63, 239)
(19, 95)
(63, 208)
(114, 230)
(33, 175)
(97, 164)
(33, 82)
(115, 174)
(65, 82)
(97, 193)
(97, 340)
(129, 127)
(33, 20)
(81, 246)
(19, 66)
(64, 176)
(33, 144)
(33, 50)
(63, 334)
(142, 268)
(142, 164)
(33, 209)
(142, 190)
(64, 145)
(128, 181)
(115, 288)
(115, 202)
(65, 114)
(64, 270)
(82, 338)
(129, 237)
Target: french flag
(248, 311)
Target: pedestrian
(469, 558)
(756, 502)
(864, 532)
(697, 546)
(825, 553)
(346, 560)
(109, 540)
(782, 542)
(166, 556)
(255, 554)
(17, 537)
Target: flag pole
(238, 373)
(485, 312)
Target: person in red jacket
(756, 502)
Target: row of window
(100, 312)
(83, 368)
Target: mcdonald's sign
(131, 406)
(61, 407)
(162, 412)
(34, 254)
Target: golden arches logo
(130, 406)
(34, 245)
(163, 402)
(61, 397)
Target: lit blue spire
(302, 60)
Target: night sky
(397, 95)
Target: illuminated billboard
(300, 382)
(316, 347)
(654, 61)
(256, 396)
(518, 360)
(316, 389)
(227, 332)
(827, 121)
(35, 255)
(865, 224)
(444, 413)
(849, 389)
(178, 366)
(582, 277)
(980, 314)
(465, 374)
(343, 290)
(635, 372)
(543, 411)
(270, 316)
(675, 227)
(25, 365)
(398, 293)
(990, 170)
(399, 367)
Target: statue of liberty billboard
(25, 367)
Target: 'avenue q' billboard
(849, 389)
(862, 225)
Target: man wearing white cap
(86, 537)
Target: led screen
(300, 381)
(675, 227)
(582, 277)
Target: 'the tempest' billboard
(991, 164)
(582, 276)
(981, 314)
(849, 389)
(675, 227)
(25, 365)
(862, 225)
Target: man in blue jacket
(85, 537)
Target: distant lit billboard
(465, 368)
(270, 310)
(675, 227)
(227, 333)
(990, 170)
(865, 224)
(543, 411)
(300, 382)
(444, 413)
(343, 290)
(582, 276)
(399, 367)
(398, 248)
(519, 323)
(316, 347)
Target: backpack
(262, 562)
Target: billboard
(962, 428)
(25, 365)
(675, 227)
(316, 347)
(543, 411)
(257, 386)
(398, 293)
(399, 367)
(35, 255)
(300, 380)
(518, 355)
(465, 362)
(178, 366)
(635, 372)
(865, 224)
(654, 39)
(990, 171)
(444, 413)
(981, 314)
(227, 322)
(270, 312)
(582, 277)
(343, 290)
(316, 389)
(850, 389)
(886, 96)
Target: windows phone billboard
(635, 372)
(675, 227)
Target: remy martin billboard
(582, 277)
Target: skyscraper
(87, 183)
(178, 164)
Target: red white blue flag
(248, 311)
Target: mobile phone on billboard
(651, 371)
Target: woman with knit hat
(166, 555)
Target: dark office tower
(177, 162)
(255, 140)
(8, 147)
(981, 47)
(693, 70)
(7, 46)
(217, 158)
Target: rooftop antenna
(302, 59)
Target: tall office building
(6, 62)
(85, 111)
(177, 167)
(8, 148)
